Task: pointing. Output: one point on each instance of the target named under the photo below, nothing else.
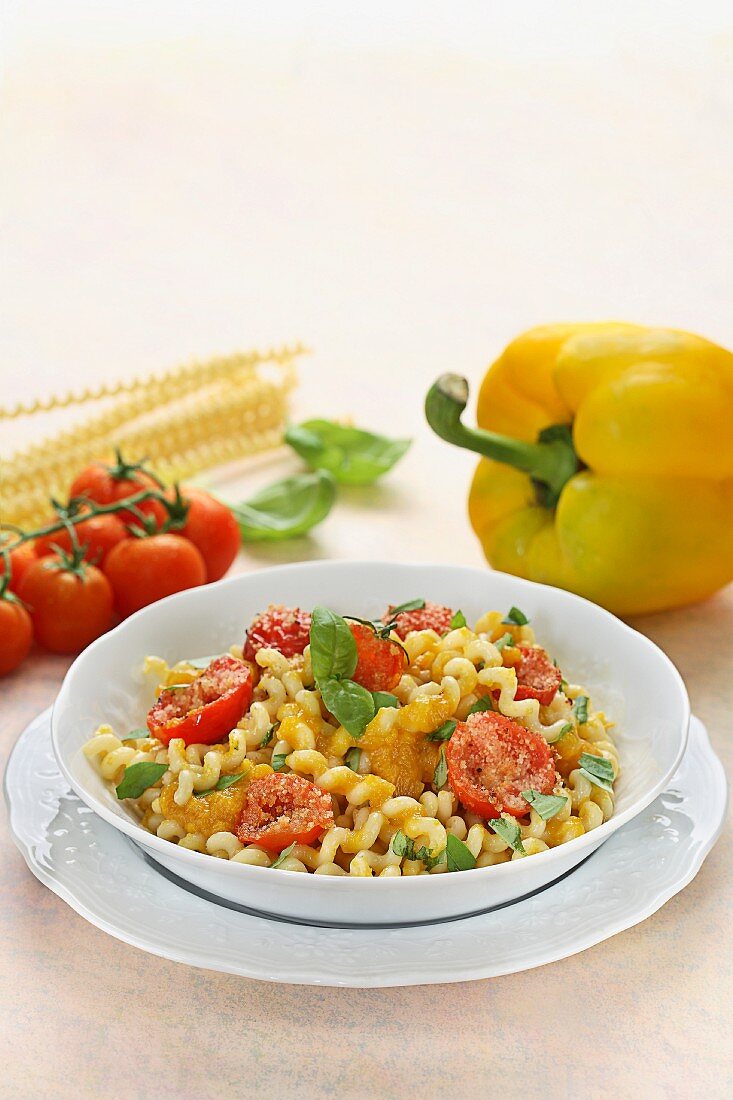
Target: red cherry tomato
(69, 609)
(99, 534)
(16, 634)
(380, 662)
(282, 809)
(433, 616)
(142, 571)
(537, 677)
(492, 759)
(213, 530)
(286, 629)
(110, 484)
(208, 709)
(21, 560)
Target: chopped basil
(178, 687)
(384, 699)
(485, 702)
(444, 732)
(568, 727)
(286, 508)
(222, 783)
(353, 456)
(202, 662)
(353, 758)
(546, 805)
(505, 640)
(333, 646)
(136, 735)
(138, 777)
(563, 686)
(458, 620)
(268, 737)
(510, 832)
(515, 617)
(350, 703)
(283, 855)
(580, 709)
(403, 845)
(278, 761)
(409, 605)
(598, 770)
(440, 775)
(459, 856)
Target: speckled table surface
(404, 190)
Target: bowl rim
(590, 840)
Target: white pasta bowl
(626, 674)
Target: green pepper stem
(550, 462)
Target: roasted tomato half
(286, 629)
(433, 616)
(537, 677)
(206, 710)
(379, 661)
(492, 759)
(282, 809)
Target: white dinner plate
(627, 675)
(106, 878)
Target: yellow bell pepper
(608, 462)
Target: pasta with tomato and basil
(336, 745)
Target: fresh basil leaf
(458, 620)
(459, 856)
(353, 456)
(178, 687)
(598, 770)
(505, 640)
(136, 735)
(283, 855)
(277, 763)
(221, 784)
(353, 758)
(444, 732)
(384, 699)
(403, 845)
(201, 662)
(333, 646)
(410, 605)
(515, 617)
(138, 777)
(268, 737)
(510, 832)
(440, 775)
(350, 704)
(286, 508)
(563, 686)
(485, 702)
(546, 805)
(580, 709)
(568, 727)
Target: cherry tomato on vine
(16, 633)
(213, 530)
(70, 602)
(208, 709)
(143, 570)
(282, 809)
(98, 534)
(20, 561)
(110, 484)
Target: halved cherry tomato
(109, 484)
(21, 559)
(99, 534)
(208, 709)
(144, 570)
(537, 677)
(286, 629)
(213, 530)
(16, 634)
(69, 608)
(432, 616)
(282, 809)
(380, 662)
(492, 759)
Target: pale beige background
(404, 190)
